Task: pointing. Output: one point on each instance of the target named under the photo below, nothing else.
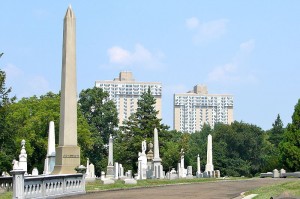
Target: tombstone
(129, 173)
(110, 165)
(189, 172)
(107, 181)
(198, 167)
(5, 174)
(116, 172)
(282, 172)
(50, 157)
(142, 163)
(90, 171)
(102, 177)
(23, 158)
(217, 174)
(157, 166)
(209, 163)
(35, 172)
(130, 181)
(68, 153)
(121, 171)
(149, 171)
(173, 174)
(276, 173)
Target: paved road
(211, 190)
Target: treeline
(238, 149)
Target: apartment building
(196, 107)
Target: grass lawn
(98, 186)
(280, 189)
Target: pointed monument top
(70, 13)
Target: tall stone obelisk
(67, 152)
(209, 164)
(157, 166)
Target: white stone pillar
(18, 183)
(198, 166)
(209, 163)
(23, 158)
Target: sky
(250, 49)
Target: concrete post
(18, 183)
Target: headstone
(157, 166)
(209, 163)
(23, 158)
(181, 170)
(218, 174)
(149, 171)
(107, 181)
(121, 171)
(189, 172)
(142, 163)
(110, 165)
(116, 170)
(90, 171)
(129, 173)
(50, 157)
(130, 181)
(68, 153)
(102, 177)
(35, 172)
(198, 167)
(282, 172)
(276, 173)
(173, 174)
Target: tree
(29, 119)
(290, 145)
(102, 117)
(139, 127)
(276, 133)
(5, 136)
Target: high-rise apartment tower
(194, 108)
(125, 92)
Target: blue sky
(250, 49)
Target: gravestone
(35, 172)
(50, 157)
(189, 172)
(142, 163)
(110, 166)
(157, 166)
(209, 163)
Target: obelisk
(50, 158)
(67, 152)
(209, 165)
(110, 165)
(157, 166)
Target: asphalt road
(209, 190)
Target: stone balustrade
(43, 186)
(6, 183)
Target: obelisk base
(67, 159)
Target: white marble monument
(110, 164)
(142, 162)
(157, 166)
(50, 157)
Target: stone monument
(181, 170)
(142, 162)
(50, 158)
(209, 168)
(198, 173)
(157, 167)
(23, 158)
(110, 164)
(67, 152)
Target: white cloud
(140, 57)
(233, 71)
(12, 72)
(207, 31)
(192, 23)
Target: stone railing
(6, 183)
(48, 186)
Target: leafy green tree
(5, 136)
(290, 146)
(29, 119)
(102, 117)
(139, 127)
